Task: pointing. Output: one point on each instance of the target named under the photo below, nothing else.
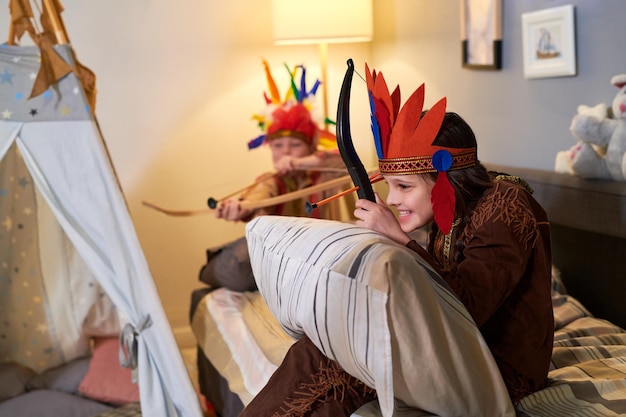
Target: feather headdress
(404, 142)
(295, 114)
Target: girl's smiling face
(410, 196)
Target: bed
(587, 376)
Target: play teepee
(71, 265)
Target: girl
(489, 240)
(495, 254)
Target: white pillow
(380, 311)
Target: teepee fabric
(66, 176)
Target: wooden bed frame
(588, 228)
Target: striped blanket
(588, 369)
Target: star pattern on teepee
(20, 276)
(17, 76)
(6, 77)
(7, 223)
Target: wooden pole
(323, 51)
(55, 21)
(11, 40)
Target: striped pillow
(380, 311)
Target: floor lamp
(320, 22)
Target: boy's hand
(230, 210)
(290, 163)
(286, 164)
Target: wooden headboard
(588, 228)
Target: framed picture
(481, 34)
(549, 42)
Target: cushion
(47, 403)
(241, 338)
(379, 310)
(13, 379)
(229, 266)
(128, 410)
(106, 379)
(64, 378)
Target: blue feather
(375, 127)
(315, 87)
(256, 142)
(303, 93)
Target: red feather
(443, 200)
(420, 143)
(381, 92)
(405, 125)
(395, 100)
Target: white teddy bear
(601, 133)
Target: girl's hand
(230, 210)
(379, 217)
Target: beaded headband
(404, 142)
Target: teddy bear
(601, 139)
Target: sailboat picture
(549, 42)
(545, 47)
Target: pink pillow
(106, 380)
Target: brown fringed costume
(307, 383)
(502, 275)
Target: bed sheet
(588, 370)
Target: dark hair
(469, 183)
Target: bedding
(587, 375)
(51, 393)
(80, 388)
(588, 369)
(50, 403)
(13, 379)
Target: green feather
(293, 84)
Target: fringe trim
(330, 383)
(513, 211)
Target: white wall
(177, 85)
(178, 82)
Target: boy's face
(410, 196)
(289, 146)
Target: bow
(265, 202)
(355, 167)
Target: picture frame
(481, 34)
(549, 42)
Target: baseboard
(184, 337)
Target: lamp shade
(322, 21)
